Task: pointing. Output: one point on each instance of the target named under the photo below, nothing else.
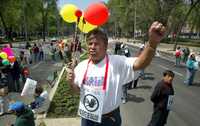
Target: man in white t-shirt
(101, 77)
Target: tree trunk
(6, 31)
(182, 22)
(3, 22)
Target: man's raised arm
(156, 33)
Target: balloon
(5, 62)
(78, 13)
(12, 59)
(96, 14)
(8, 51)
(3, 55)
(68, 13)
(84, 26)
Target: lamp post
(44, 16)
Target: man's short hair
(169, 73)
(97, 33)
(39, 90)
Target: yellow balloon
(68, 13)
(84, 26)
(3, 55)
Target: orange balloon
(12, 59)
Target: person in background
(61, 49)
(162, 98)
(76, 49)
(41, 52)
(35, 52)
(191, 67)
(28, 45)
(25, 116)
(178, 56)
(186, 53)
(41, 99)
(67, 53)
(15, 72)
(117, 47)
(53, 52)
(124, 50)
(142, 74)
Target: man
(162, 98)
(25, 116)
(101, 77)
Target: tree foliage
(173, 13)
(27, 17)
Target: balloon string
(76, 42)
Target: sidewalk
(61, 121)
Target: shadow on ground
(134, 98)
(197, 84)
(144, 87)
(148, 78)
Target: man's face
(96, 49)
(168, 79)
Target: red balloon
(78, 13)
(12, 59)
(96, 14)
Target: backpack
(178, 53)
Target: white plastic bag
(196, 65)
(29, 87)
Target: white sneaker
(123, 101)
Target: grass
(65, 101)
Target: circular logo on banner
(91, 103)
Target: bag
(178, 54)
(196, 65)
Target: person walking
(100, 78)
(178, 56)
(162, 98)
(53, 52)
(41, 52)
(142, 74)
(191, 67)
(35, 53)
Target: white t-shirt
(120, 72)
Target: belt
(111, 113)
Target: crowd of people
(183, 55)
(13, 76)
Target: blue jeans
(178, 61)
(112, 119)
(190, 76)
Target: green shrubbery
(65, 101)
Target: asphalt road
(186, 112)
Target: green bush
(65, 101)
